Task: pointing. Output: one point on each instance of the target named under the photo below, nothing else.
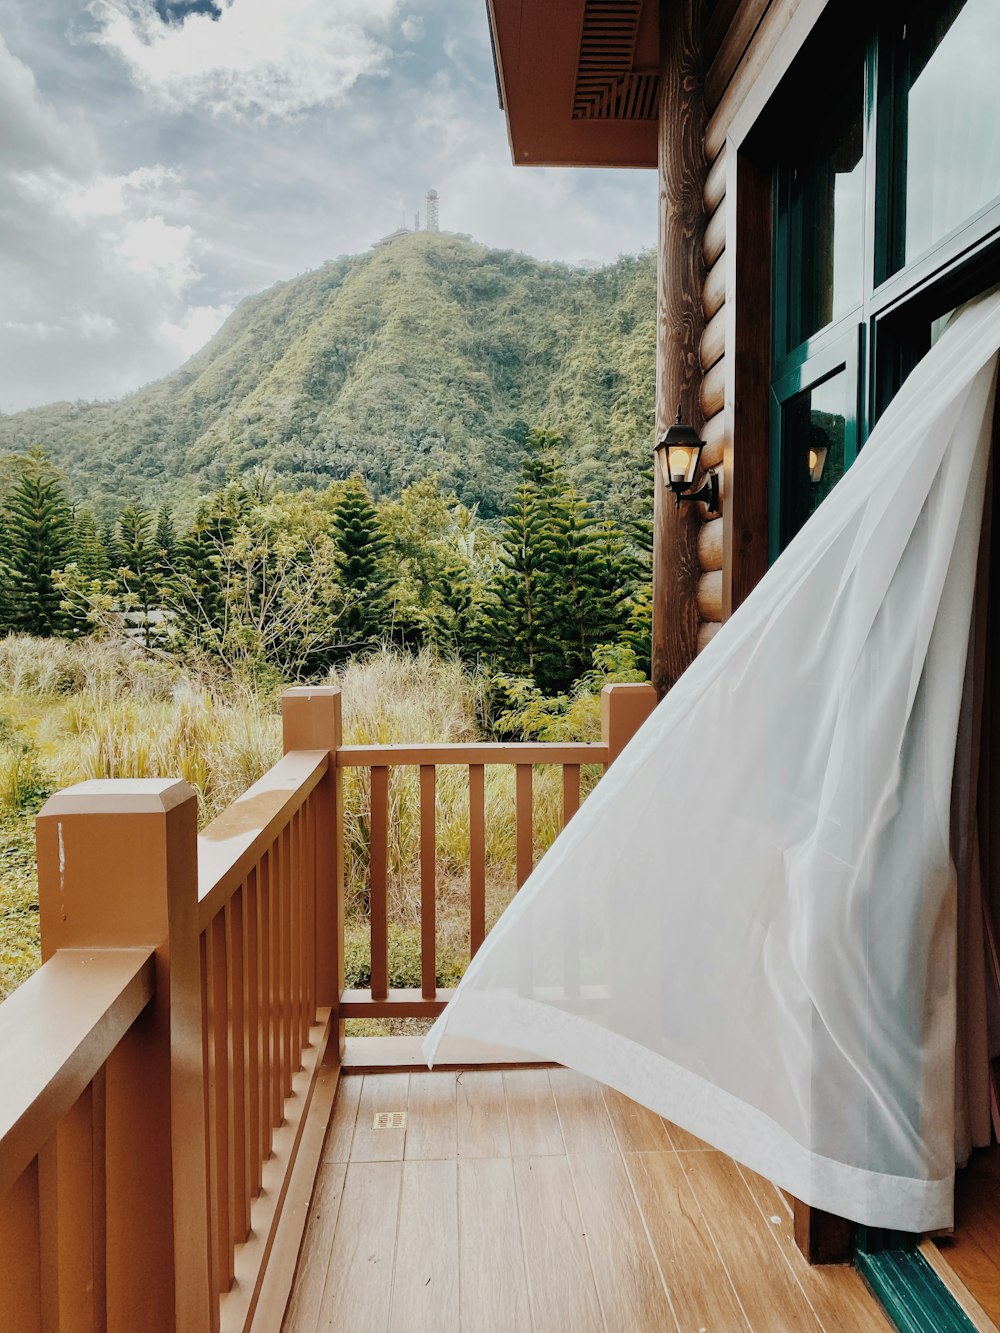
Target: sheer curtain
(750, 925)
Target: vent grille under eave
(606, 86)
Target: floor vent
(389, 1120)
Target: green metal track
(910, 1292)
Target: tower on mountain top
(432, 210)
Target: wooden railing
(61, 1036)
(157, 1071)
(624, 708)
(158, 1068)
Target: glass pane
(812, 450)
(826, 215)
(951, 159)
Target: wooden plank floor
(973, 1252)
(535, 1199)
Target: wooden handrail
(519, 752)
(230, 846)
(57, 1031)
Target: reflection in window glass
(812, 456)
(950, 118)
(826, 217)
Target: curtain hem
(872, 1198)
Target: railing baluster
(211, 1142)
(238, 1057)
(525, 824)
(428, 881)
(295, 949)
(571, 791)
(251, 974)
(99, 1193)
(477, 857)
(306, 931)
(223, 1111)
(288, 1061)
(268, 1115)
(312, 930)
(21, 1288)
(68, 1219)
(379, 882)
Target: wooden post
(748, 377)
(679, 326)
(822, 1237)
(624, 708)
(118, 868)
(312, 719)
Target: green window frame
(889, 329)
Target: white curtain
(750, 925)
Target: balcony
(189, 1142)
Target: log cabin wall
(705, 565)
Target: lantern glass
(817, 460)
(682, 463)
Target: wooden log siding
(623, 710)
(680, 325)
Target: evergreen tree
(39, 539)
(361, 548)
(165, 543)
(565, 578)
(195, 590)
(519, 589)
(137, 568)
(91, 551)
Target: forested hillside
(434, 355)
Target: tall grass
(76, 710)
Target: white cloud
(193, 329)
(32, 133)
(259, 58)
(99, 271)
(412, 28)
(159, 252)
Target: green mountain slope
(432, 355)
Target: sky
(162, 159)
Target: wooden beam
(822, 1237)
(747, 378)
(680, 324)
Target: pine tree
(165, 543)
(361, 547)
(563, 587)
(195, 590)
(519, 588)
(39, 539)
(91, 551)
(137, 568)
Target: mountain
(434, 354)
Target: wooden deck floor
(535, 1199)
(972, 1252)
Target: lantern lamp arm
(709, 492)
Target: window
(824, 188)
(947, 114)
(887, 215)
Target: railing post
(624, 708)
(117, 868)
(312, 720)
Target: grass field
(86, 709)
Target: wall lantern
(679, 453)
(817, 456)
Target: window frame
(887, 329)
